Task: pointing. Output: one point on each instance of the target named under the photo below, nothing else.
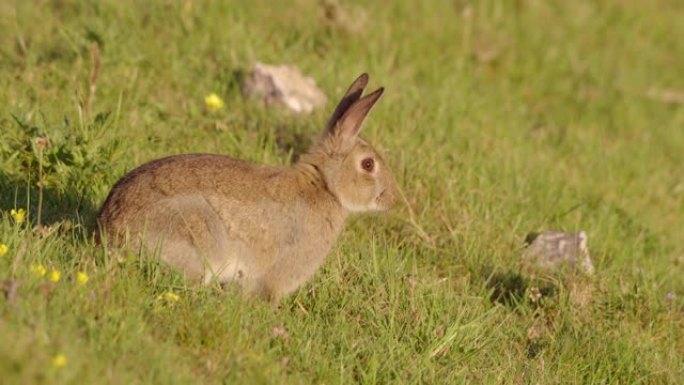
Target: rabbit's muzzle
(386, 199)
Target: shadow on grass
(58, 206)
(510, 287)
(289, 139)
(507, 288)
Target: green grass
(500, 117)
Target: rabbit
(268, 229)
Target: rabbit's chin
(354, 207)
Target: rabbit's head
(352, 170)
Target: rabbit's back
(203, 210)
(217, 179)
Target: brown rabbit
(267, 228)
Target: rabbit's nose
(386, 199)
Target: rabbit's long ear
(350, 123)
(352, 95)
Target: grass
(499, 118)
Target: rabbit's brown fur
(267, 228)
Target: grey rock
(283, 85)
(552, 249)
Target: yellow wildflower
(38, 269)
(213, 102)
(82, 278)
(3, 249)
(169, 296)
(55, 275)
(18, 215)
(59, 361)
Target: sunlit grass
(499, 118)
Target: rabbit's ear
(350, 123)
(352, 95)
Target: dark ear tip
(361, 81)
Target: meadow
(499, 118)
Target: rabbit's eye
(368, 164)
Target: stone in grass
(283, 85)
(549, 250)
